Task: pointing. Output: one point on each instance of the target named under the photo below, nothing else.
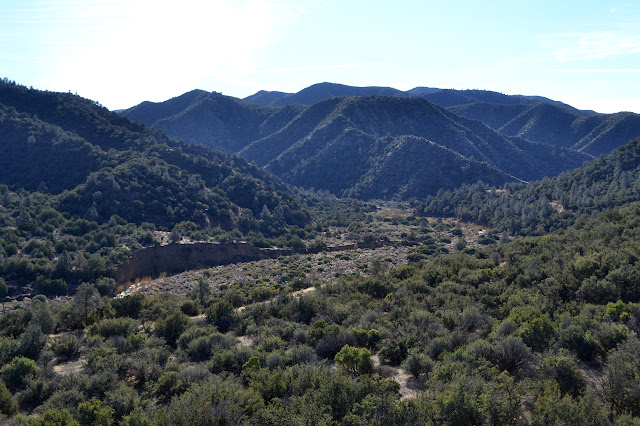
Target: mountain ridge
(284, 139)
(99, 164)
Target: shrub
(394, 351)
(31, 342)
(4, 288)
(16, 372)
(55, 417)
(220, 314)
(553, 408)
(203, 347)
(621, 378)
(122, 399)
(193, 333)
(66, 346)
(301, 354)
(95, 412)
(511, 354)
(189, 307)
(536, 334)
(169, 384)
(106, 286)
(417, 364)
(8, 404)
(578, 341)
(114, 327)
(253, 364)
(356, 360)
(610, 336)
(37, 389)
(171, 328)
(366, 337)
(128, 306)
(459, 403)
(564, 370)
(51, 286)
(331, 344)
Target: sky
(121, 52)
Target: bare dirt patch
(400, 376)
(71, 367)
(390, 222)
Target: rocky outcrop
(175, 258)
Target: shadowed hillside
(594, 134)
(334, 143)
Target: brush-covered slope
(102, 164)
(211, 119)
(451, 97)
(534, 118)
(594, 134)
(609, 181)
(322, 130)
(288, 139)
(412, 167)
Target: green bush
(128, 306)
(356, 360)
(564, 370)
(95, 412)
(114, 327)
(622, 378)
(172, 327)
(8, 404)
(511, 354)
(15, 373)
(220, 314)
(56, 417)
(417, 364)
(190, 308)
(31, 342)
(537, 333)
(66, 346)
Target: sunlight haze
(120, 53)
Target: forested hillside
(537, 331)
(81, 186)
(594, 134)
(535, 118)
(607, 182)
(309, 146)
(389, 116)
(214, 120)
(532, 320)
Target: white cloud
(596, 45)
(598, 70)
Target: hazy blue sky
(122, 52)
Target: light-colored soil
(319, 267)
(244, 341)
(71, 367)
(400, 376)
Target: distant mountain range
(535, 118)
(380, 142)
(443, 97)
